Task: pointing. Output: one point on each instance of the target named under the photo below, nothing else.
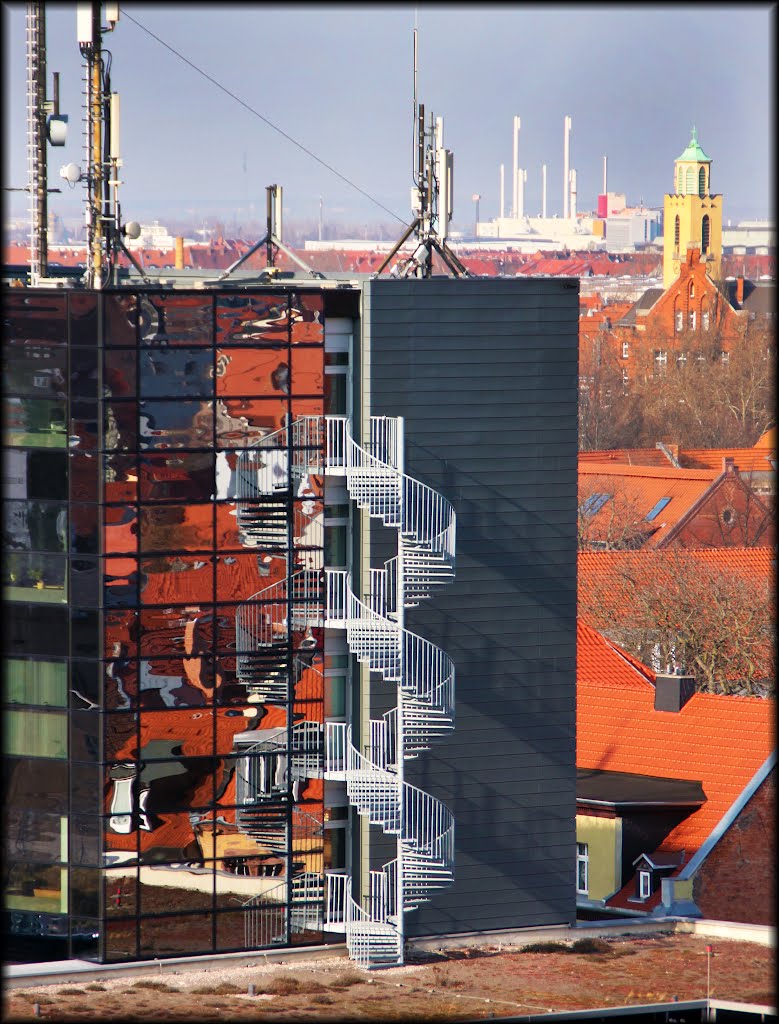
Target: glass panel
(120, 425)
(86, 787)
(35, 785)
(176, 320)
(40, 888)
(121, 889)
(176, 372)
(177, 528)
(83, 318)
(252, 371)
(84, 529)
(335, 546)
(33, 836)
(121, 530)
(308, 318)
(335, 394)
(263, 927)
(84, 476)
(177, 424)
(176, 936)
(37, 370)
(32, 577)
(121, 478)
(83, 374)
(241, 575)
(35, 318)
(119, 319)
(307, 371)
(85, 890)
(120, 373)
(256, 320)
(120, 940)
(335, 696)
(85, 735)
(35, 733)
(168, 578)
(38, 629)
(176, 632)
(177, 475)
(174, 682)
(120, 735)
(39, 474)
(85, 835)
(242, 422)
(34, 423)
(35, 682)
(35, 525)
(84, 633)
(121, 637)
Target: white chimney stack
(502, 190)
(543, 191)
(566, 162)
(521, 178)
(605, 165)
(573, 194)
(515, 166)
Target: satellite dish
(132, 229)
(57, 129)
(71, 173)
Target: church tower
(692, 216)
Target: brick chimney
(740, 290)
(672, 692)
(729, 464)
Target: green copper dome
(694, 151)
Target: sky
(337, 79)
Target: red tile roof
(635, 490)
(750, 563)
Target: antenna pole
(36, 140)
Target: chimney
(740, 290)
(672, 692)
(179, 259)
(729, 464)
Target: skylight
(594, 504)
(657, 509)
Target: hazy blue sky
(338, 80)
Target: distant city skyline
(338, 81)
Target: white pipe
(515, 166)
(502, 190)
(566, 161)
(543, 191)
(605, 165)
(573, 194)
(522, 178)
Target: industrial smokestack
(522, 178)
(515, 182)
(502, 190)
(573, 194)
(543, 191)
(566, 162)
(605, 166)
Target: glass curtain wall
(174, 723)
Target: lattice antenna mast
(431, 197)
(37, 177)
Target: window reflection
(176, 320)
(252, 371)
(176, 424)
(176, 372)
(34, 423)
(183, 475)
(257, 320)
(36, 370)
(176, 527)
(119, 319)
(241, 422)
(119, 373)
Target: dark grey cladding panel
(485, 373)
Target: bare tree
(673, 610)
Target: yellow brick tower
(692, 216)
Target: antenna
(432, 196)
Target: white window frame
(644, 884)
(583, 860)
(679, 321)
(724, 356)
(705, 321)
(692, 319)
(625, 349)
(661, 356)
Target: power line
(256, 113)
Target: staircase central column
(400, 606)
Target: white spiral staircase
(375, 632)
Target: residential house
(674, 811)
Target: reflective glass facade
(164, 676)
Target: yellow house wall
(691, 210)
(603, 837)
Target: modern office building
(252, 533)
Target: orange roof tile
(749, 563)
(600, 661)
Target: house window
(656, 509)
(692, 289)
(692, 319)
(705, 230)
(705, 320)
(679, 321)
(661, 356)
(702, 182)
(681, 360)
(593, 504)
(625, 349)
(582, 868)
(724, 356)
(677, 224)
(644, 885)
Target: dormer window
(692, 289)
(644, 885)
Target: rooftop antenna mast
(271, 239)
(431, 198)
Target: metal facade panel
(485, 374)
